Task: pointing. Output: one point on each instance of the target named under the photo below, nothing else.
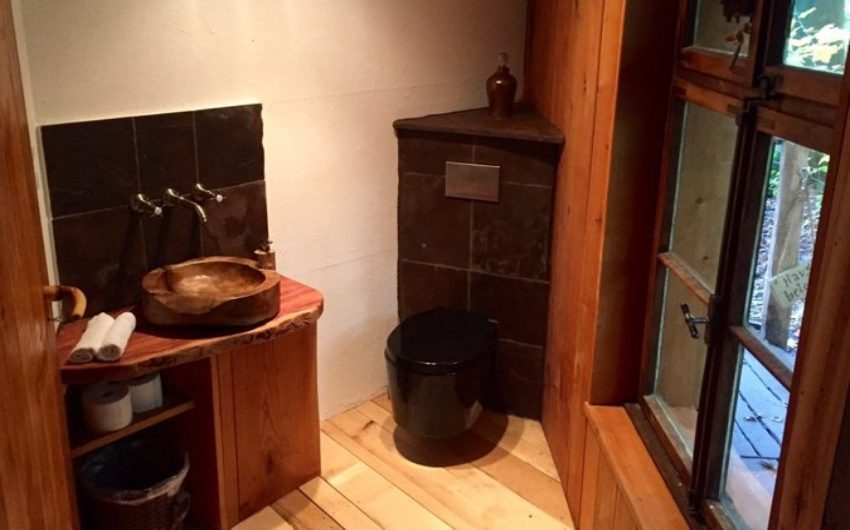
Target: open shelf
(83, 441)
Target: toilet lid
(440, 340)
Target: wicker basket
(136, 485)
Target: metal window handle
(692, 322)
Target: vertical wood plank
(578, 45)
(606, 496)
(276, 417)
(230, 470)
(35, 476)
(591, 470)
(622, 516)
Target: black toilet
(438, 364)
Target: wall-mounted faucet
(140, 203)
(172, 198)
(201, 193)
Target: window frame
(770, 99)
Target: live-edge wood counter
(253, 433)
(153, 348)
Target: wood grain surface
(153, 348)
(35, 485)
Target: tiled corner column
(488, 257)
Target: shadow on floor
(462, 449)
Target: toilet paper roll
(107, 407)
(145, 392)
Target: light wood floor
(500, 475)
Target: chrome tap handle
(140, 203)
(202, 193)
(172, 198)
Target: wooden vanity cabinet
(249, 415)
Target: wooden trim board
(641, 488)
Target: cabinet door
(269, 400)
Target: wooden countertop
(152, 348)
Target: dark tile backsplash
(102, 253)
(238, 227)
(230, 145)
(93, 168)
(90, 166)
(482, 256)
(166, 148)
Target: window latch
(693, 321)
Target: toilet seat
(441, 340)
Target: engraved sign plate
(472, 181)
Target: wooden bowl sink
(215, 291)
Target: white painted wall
(332, 76)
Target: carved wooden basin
(215, 291)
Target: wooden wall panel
(622, 487)
(35, 485)
(575, 71)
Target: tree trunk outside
(785, 247)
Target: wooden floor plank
(521, 437)
(337, 505)
(462, 488)
(518, 475)
(375, 476)
(371, 492)
(265, 519)
(300, 512)
(410, 486)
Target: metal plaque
(472, 181)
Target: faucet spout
(173, 198)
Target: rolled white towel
(92, 339)
(115, 341)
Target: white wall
(332, 76)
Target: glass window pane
(752, 458)
(818, 34)
(681, 360)
(791, 211)
(705, 171)
(714, 32)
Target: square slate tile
(511, 237)
(432, 228)
(172, 238)
(239, 225)
(90, 165)
(101, 253)
(519, 306)
(230, 145)
(166, 146)
(423, 287)
(521, 162)
(517, 383)
(424, 152)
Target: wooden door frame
(35, 475)
(819, 389)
